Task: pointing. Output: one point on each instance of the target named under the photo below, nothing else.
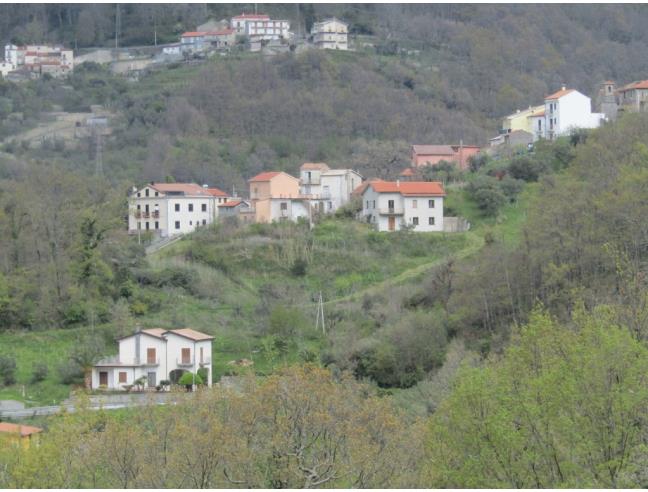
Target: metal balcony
(184, 362)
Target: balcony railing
(391, 211)
(115, 360)
(151, 362)
(205, 361)
(147, 215)
(315, 180)
(184, 362)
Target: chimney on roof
(152, 183)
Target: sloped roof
(231, 203)
(433, 149)
(186, 188)
(23, 430)
(361, 188)
(314, 166)
(216, 192)
(192, 334)
(409, 188)
(268, 175)
(641, 84)
(559, 94)
(192, 34)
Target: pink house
(429, 155)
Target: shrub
(8, 370)
(203, 372)
(70, 373)
(189, 378)
(489, 200)
(298, 268)
(39, 372)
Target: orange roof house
(269, 185)
(395, 205)
(430, 155)
(17, 434)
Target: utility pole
(320, 314)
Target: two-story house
(565, 111)
(331, 188)
(393, 205)
(157, 355)
(270, 195)
(169, 209)
(260, 27)
(633, 97)
(330, 34)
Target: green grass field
(241, 279)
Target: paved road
(106, 402)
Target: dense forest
(512, 355)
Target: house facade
(521, 120)
(54, 60)
(333, 187)
(394, 205)
(19, 435)
(156, 355)
(260, 27)
(330, 34)
(633, 97)
(430, 155)
(169, 209)
(565, 110)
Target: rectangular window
(150, 355)
(157, 225)
(430, 203)
(204, 221)
(147, 226)
(146, 208)
(431, 220)
(367, 203)
(414, 204)
(191, 207)
(177, 224)
(201, 355)
(186, 356)
(374, 204)
(415, 221)
(122, 377)
(177, 207)
(204, 207)
(283, 206)
(146, 192)
(139, 207)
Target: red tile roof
(216, 192)
(559, 94)
(192, 34)
(317, 166)
(642, 84)
(433, 149)
(231, 203)
(156, 332)
(266, 176)
(24, 430)
(409, 188)
(192, 334)
(361, 188)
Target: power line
(320, 314)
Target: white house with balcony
(330, 34)
(156, 355)
(260, 27)
(565, 111)
(169, 209)
(330, 187)
(394, 205)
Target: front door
(151, 380)
(103, 378)
(392, 223)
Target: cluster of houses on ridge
(260, 30)
(567, 110)
(170, 209)
(33, 61)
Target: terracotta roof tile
(559, 94)
(231, 203)
(24, 430)
(216, 192)
(192, 334)
(267, 176)
(642, 84)
(409, 188)
(317, 166)
(192, 34)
